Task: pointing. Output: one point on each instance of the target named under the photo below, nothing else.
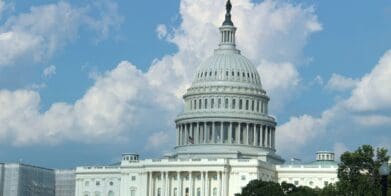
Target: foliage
(358, 175)
(358, 171)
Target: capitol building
(225, 137)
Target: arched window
(214, 191)
(240, 104)
(233, 104)
(226, 103)
(159, 192)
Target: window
(206, 104)
(226, 73)
(252, 105)
(191, 105)
(246, 104)
(86, 194)
(111, 183)
(311, 183)
(132, 192)
(233, 104)
(226, 103)
(258, 106)
(199, 104)
(326, 183)
(97, 183)
(219, 103)
(175, 192)
(240, 104)
(212, 104)
(296, 182)
(111, 193)
(243, 177)
(87, 183)
(214, 191)
(233, 73)
(210, 73)
(97, 193)
(159, 192)
(198, 191)
(133, 178)
(195, 104)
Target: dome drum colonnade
(226, 108)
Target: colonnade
(226, 133)
(187, 183)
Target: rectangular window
(212, 104)
(206, 104)
(233, 104)
(252, 105)
(199, 104)
(246, 104)
(226, 104)
(258, 106)
(240, 104)
(219, 103)
(195, 104)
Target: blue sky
(83, 81)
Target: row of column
(178, 183)
(226, 133)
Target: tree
(261, 188)
(358, 171)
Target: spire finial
(228, 7)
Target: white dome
(227, 67)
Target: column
(179, 185)
(225, 183)
(255, 138)
(167, 188)
(247, 135)
(197, 134)
(219, 174)
(163, 184)
(205, 133)
(207, 192)
(238, 133)
(203, 183)
(268, 136)
(190, 184)
(221, 132)
(191, 132)
(230, 133)
(213, 140)
(177, 135)
(150, 184)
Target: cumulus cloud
(36, 35)
(373, 92)
(157, 140)
(369, 106)
(49, 71)
(123, 99)
(341, 83)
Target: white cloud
(49, 71)
(339, 148)
(36, 35)
(161, 31)
(157, 140)
(341, 83)
(124, 99)
(373, 92)
(369, 106)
